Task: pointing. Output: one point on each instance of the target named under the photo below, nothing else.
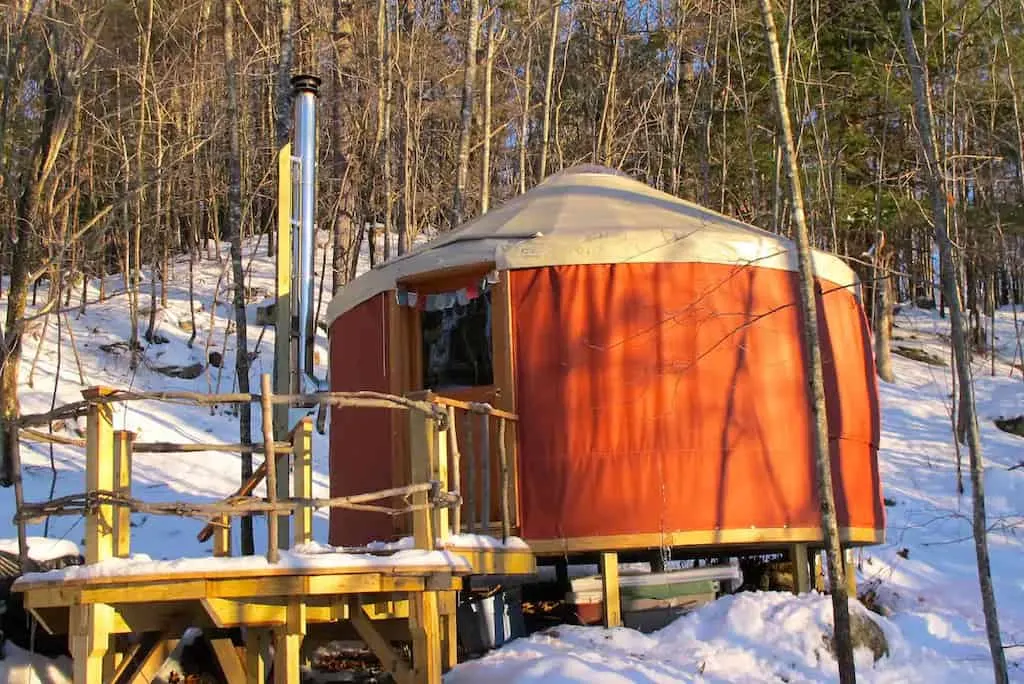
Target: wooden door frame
(405, 364)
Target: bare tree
(234, 229)
(466, 117)
(937, 191)
(812, 365)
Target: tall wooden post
(302, 474)
(91, 624)
(123, 441)
(422, 456)
(801, 568)
(99, 476)
(284, 346)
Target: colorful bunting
(446, 300)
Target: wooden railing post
(302, 475)
(485, 475)
(222, 536)
(456, 472)
(273, 552)
(123, 440)
(99, 477)
(505, 484)
(422, 454)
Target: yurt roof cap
(591, 215)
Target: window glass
(457, 345)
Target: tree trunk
(234, 230)
(549, 77)
(937, 190)
(812, 366)
(466, 117)
(882, 313)
(342, 34)
(283, 91)
(485, 165)
(523, 139)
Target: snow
(41, 549)
(21, 667)
(740, 638)
(456, 541)
(924, 577)
(298, 559)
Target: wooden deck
(124, 615)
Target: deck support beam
(801, 568)
(610, 589)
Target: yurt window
(457, 345)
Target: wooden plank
(398, 370)
(222, 536)
(485, 472)
(498, 561)
(90, 641)
(245, 490)
(155, 658)
(267, 409)
(389, 658)
(438, 455)
(123, 441)
(231, 665)
(302, 479)
(456, 467)
(504, 493)
(610, 589)
(285, 342)
(99, 476)
(287, 657)
(778, 536)
(850, 567)
(504, 355)
(422, 441)
(424, 624)
(447, 607)
(257, 643)
(801, 568)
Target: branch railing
(480, 446)
(107, 503)
(470, 444)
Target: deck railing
(107, 502)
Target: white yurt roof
(591, 215)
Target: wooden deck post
(256, 642)
(123, 440)
(302, 474)
(288, 645)
(610, 589)
(90, 627)
(801, 568)
(850, 567)
(99, 476)
(448, 607)
(424, 625)
(422, 453)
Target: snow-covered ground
(924, 576)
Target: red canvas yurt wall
(670, 398)
(361, 439)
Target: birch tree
(807, 290)
(951, 291)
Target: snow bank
(740, 638)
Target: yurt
(652, 351)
